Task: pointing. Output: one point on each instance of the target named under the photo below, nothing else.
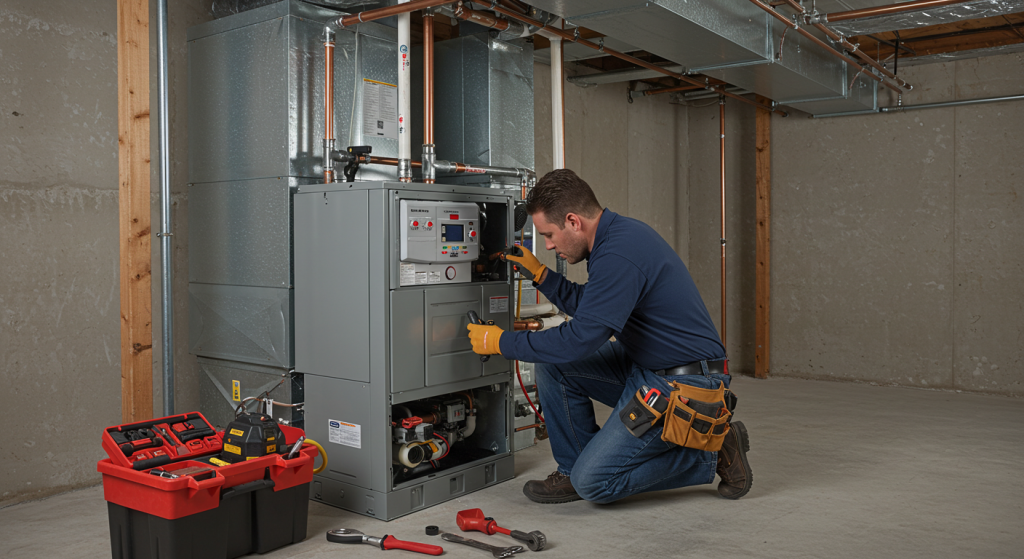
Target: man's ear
(574, 222)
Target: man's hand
(528, 264)
(485, 338)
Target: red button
(465, 252)
(415, 224)
(430, 224)
(453, 216)
(472, 233)
(444, 252)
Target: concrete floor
(841, 470)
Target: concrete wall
(897, 251)
(634, 156)
(59, 298)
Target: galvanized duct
(925, 16)
(735, 42)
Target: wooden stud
(133, 198)
(762, 271)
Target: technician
(640, 292)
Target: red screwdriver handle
(391, 542)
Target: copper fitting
(480, 18)
(531, 325)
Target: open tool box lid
(128, 485)
(147, 444)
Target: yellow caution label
(237, 432)
(232, 449)
(219, 462)
(236, 391)
(271, 448)
(270, 439)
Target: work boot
(556, 489)
(733, 467)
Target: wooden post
(133, 198)
(762, 272)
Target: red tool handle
(391, 542)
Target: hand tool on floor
(474, 519)
(346, 535)
(475, 319)
(495, 550)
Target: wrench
(495, 550)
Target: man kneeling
(665, 373)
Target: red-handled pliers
(346, 535)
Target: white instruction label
(408, 274)
(421, 278)
(380, 109)
(347, 434)
(499, 304)
(435, 277)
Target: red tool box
(170, 497)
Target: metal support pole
(166, 266)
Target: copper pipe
(632, 60)
(721, 140)
(480, 18)
(430, 418)
(792, 4)
(891, 9)
(821, 43)
(525, 427)
(375, 160)
(673, 89)
(532, 325)
(328, 108)
(388, 11)
(428, 84)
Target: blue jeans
(609, 463)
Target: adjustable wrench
(496, 551)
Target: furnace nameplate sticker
(499, 304)
(380, 109)
(408, 274)
(435, 277)
(347, 434)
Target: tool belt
(693, 417)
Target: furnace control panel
(439, 240)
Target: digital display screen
(453, 233)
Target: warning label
(380, 109)
(347, 434)
(499, 304)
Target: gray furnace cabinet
(408, 414)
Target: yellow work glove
(528, 264)
(485, 338)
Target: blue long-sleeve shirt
(639, 291)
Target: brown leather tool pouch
(643, 411)
(696, 417)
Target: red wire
(528, 400)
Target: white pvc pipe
(557, 109)
(404, 102)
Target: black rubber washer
(433, 530)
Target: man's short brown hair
(560, 193)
